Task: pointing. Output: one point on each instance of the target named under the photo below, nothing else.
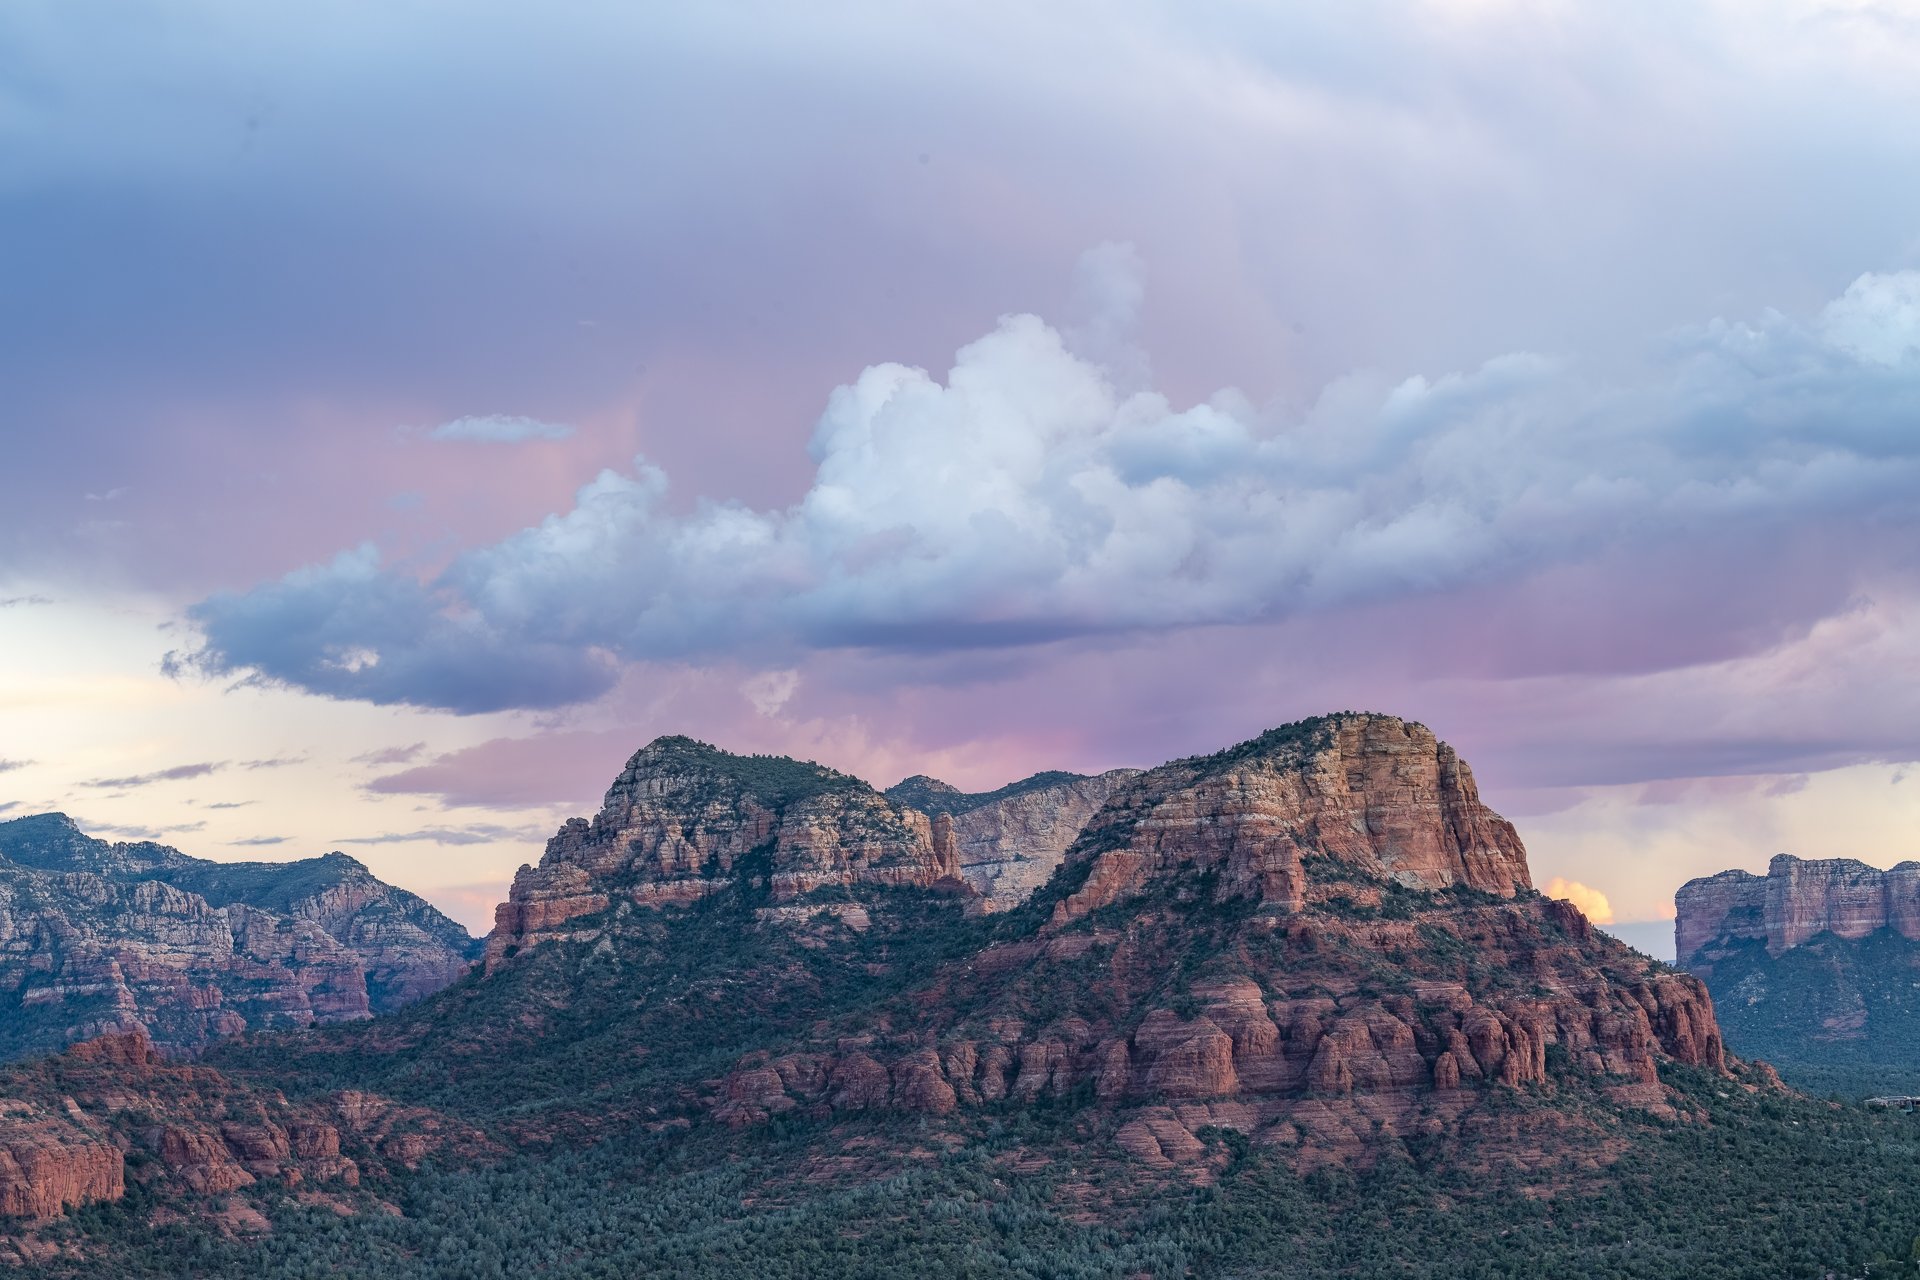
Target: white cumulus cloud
(1028, 496)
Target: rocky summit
(685, 820)
(1817, 962)
(99, 938)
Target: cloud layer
(1026, 498)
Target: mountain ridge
(1315, 950)
(106, 938)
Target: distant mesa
(99, 938)
(1816, 962)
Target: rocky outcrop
(1008, 842)
(1378, 795)
(69, 1124)
(1322, 932)
(1796, 900)
(98, 938)
(685, 820)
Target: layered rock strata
(1797, 900)
(97, 938)
(685, 820)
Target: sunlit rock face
(1376, 794)
(99, 938)
(1815, 963)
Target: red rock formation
(1379, 795)
(683, 818)
(1370, 941)
(1795, 901)
(66, 1121)
(45, 1170)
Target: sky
(412, 409)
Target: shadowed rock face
(1009, 841)
(1308, 937)
(1796, 900)
(97, 938)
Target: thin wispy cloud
(274, 762)
(178, 773)
(483, 833)
(391, 755)
(139, 832)
(21, 602)
(253, 841)
(499, 429)
(8, 766)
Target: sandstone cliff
(1320, 938)
(98, 938)
(1314, 937)
(685, 820)
(1795, 901)
(1816, 963)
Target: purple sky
(444, 400)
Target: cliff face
(1009, 841)
(1314, 937)
(1795, 901)
(685, 820)
(1320, 938)
(1816, 962)
(98, 938)
(1379, 796)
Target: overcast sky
(411, 409)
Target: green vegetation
(1772, 1189)
(776, 781)
(1833, 1003)
(923, 794)
(271, 886)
